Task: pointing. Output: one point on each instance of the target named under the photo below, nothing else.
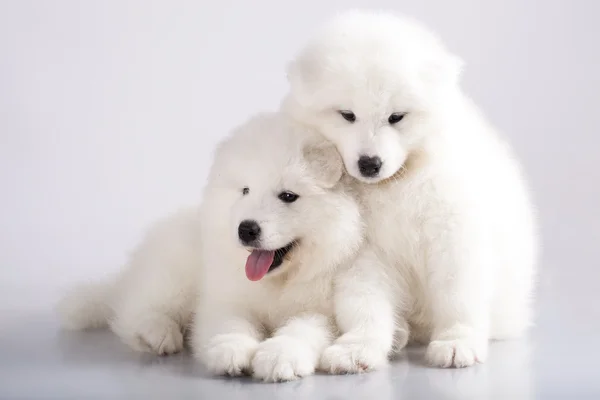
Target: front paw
(283, 358)
(353, 354)
(459, 353)
(229, 354)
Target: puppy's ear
(298, 80)
(324, 162)
(299, 71)
(442, 71)
(302, 76)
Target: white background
(109, 111)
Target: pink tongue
(258, 264)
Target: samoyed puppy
(451, 235)
(279, 223)
(253, 267)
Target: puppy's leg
(152, 311)
(364, 311)
(294, 350)
(458, 291)
(149, 331)
(225, 339)
(153, 298)
(155, 294)
(155, 303)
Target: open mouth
(260, 262)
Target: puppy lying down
(252, 271)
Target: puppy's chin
(367, 180)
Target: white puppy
(451, 233)
(275, 205)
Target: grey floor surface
(559, 359)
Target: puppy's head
(285, 203)
(372, 83)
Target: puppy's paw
(458, 353)
(350, 355)
(157, 334)
(229, 354)
(283, 358)
(401, 337)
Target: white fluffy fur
(149, 304)
(276, 328)
(451, 234)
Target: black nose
(248, 231)
(369, 166)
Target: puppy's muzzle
(249, 232)
(369, 167)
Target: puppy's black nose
(369, 166)
(248, 231)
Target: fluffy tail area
(86, 306)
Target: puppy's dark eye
(348, 115)
(395, 118)
(245, 191)
(288, 197)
